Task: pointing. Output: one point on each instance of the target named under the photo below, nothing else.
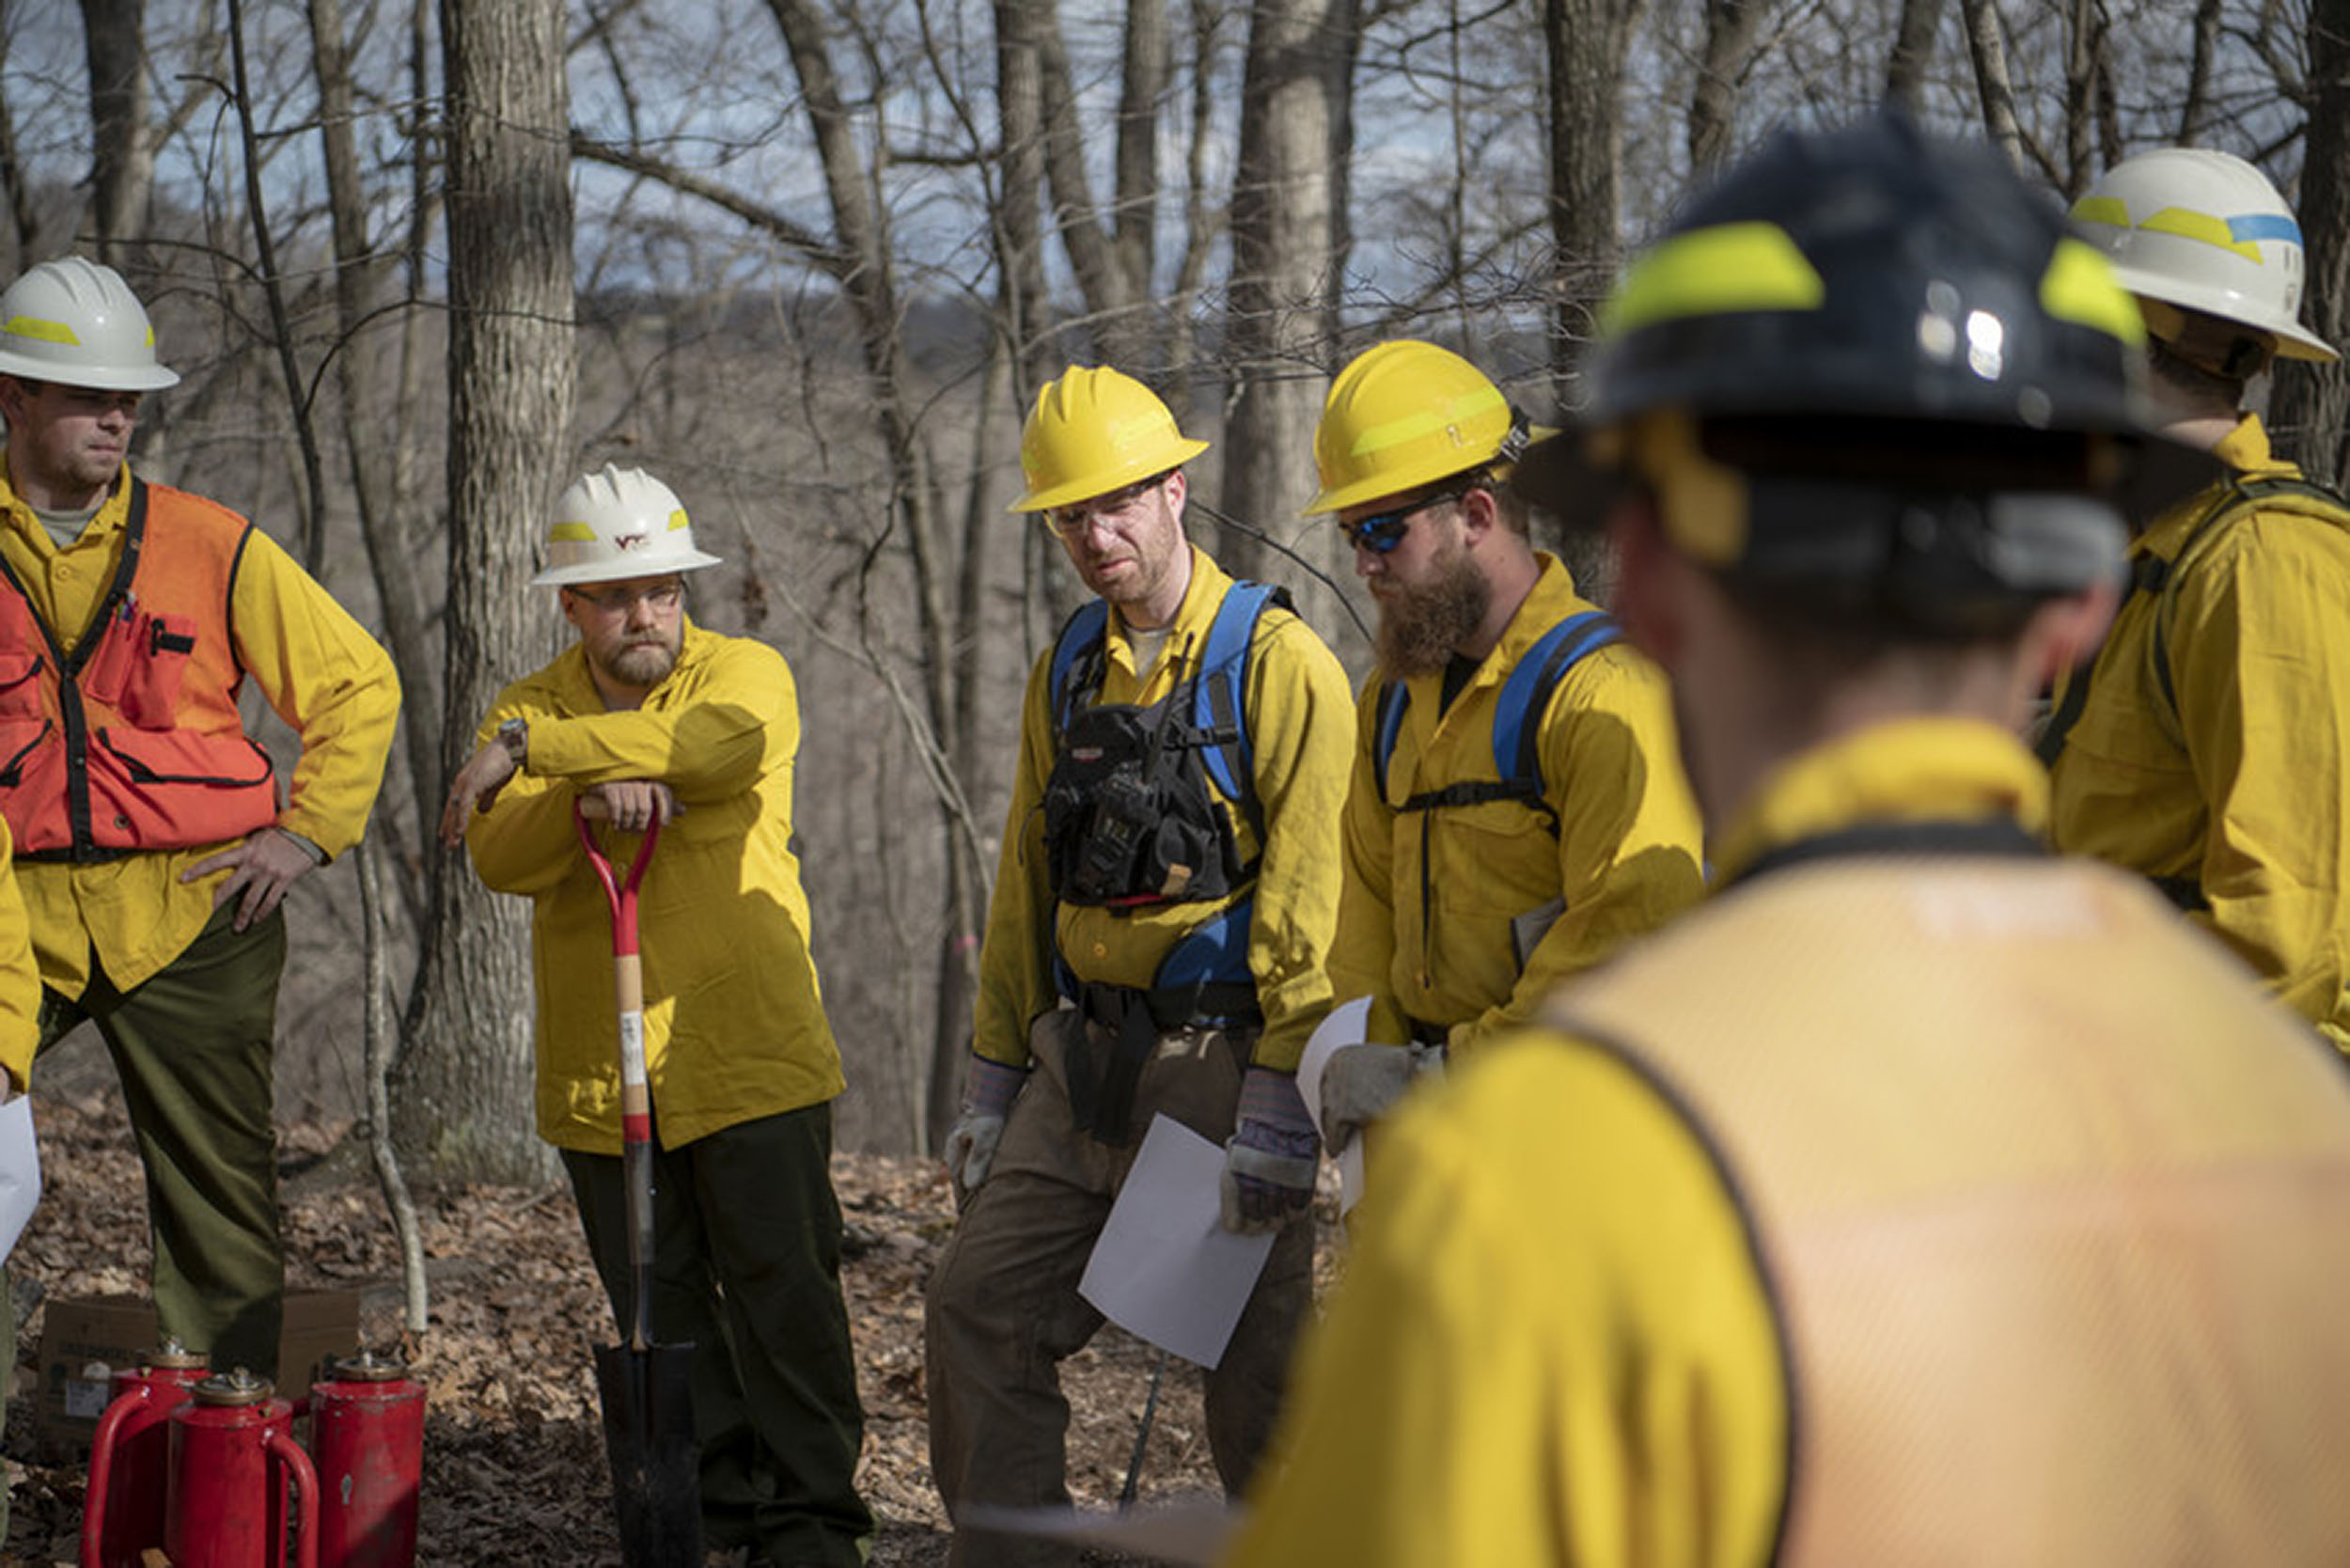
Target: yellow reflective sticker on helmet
(677, 520)
(40, 331)
(1421, 423)
(2079, 287)
(2203, 227)
(1728, 269)
(581, 531)
(2102, 209)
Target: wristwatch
(514, 735)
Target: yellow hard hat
(1403, 415)
(1092, 431)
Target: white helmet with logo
(617, 524)
(2204, 231)
(77, 323)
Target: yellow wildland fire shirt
(1878, 1186)
(20, 977)
(330, 681)
(1297, 708)
(2231, 789)
(734, 1024)
(1426, 917)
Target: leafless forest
(808, 259)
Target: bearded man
(649, 718)
(1518, 806)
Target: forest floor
(514, 1465)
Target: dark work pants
(1003, 1310)
(746, 1242)
(193, 1046)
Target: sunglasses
(1381, 532)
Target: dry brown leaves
(514, 1466)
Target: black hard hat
(1881, 338)
(1876, 272)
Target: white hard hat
(614, 524)
(2206, 231)
(77, 323)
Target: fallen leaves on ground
(514, 1465)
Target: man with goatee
(1518, 806)
(650, 717)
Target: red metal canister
(367, 1438)
(232, 1458)
(123, 1515)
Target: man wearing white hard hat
(2209, 745)
(154, 839)
(652, 716)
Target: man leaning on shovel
(650, 721)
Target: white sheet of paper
(1165, 1269)
(1186, 1530)
(1346, 1024)
(20, 1171)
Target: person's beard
(1419, 627)
(642, 665)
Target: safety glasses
(620, 601)
(1072, 520)
(1381, 532)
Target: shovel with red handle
(647, 1389)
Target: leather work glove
(989, 1087)
(1272, 1158)
(1361, 1082)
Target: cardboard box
(85, 1339)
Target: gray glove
(971, 1148)
(1272, 1158)
(988, 1089)
(1361, 1082)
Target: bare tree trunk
(1987, 44)
(312, 518)
(1291, 94)
(1143, 74)
(2084, 69)
(2195, 103)
(122, 163)
(868, 281)
(464, 1102)
(1731, 27)
(1586, 42)
(13, 184)
(1118, 314)
(2313, 403)
(377, 1054)
(1913, 53)
(372, 425)
(1018, 218)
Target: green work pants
(1003, 1308)
(746, 1266)
(193, 1047)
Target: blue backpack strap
(1393, 699)
(1526, 690)
(1219, 691)
(1208, 968)
(1081, 634)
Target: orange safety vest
(2049, 1202)
(129, 739)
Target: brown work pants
(1004, 1309)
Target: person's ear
(1647, 600)
(2064, 633)
(1480, 514)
